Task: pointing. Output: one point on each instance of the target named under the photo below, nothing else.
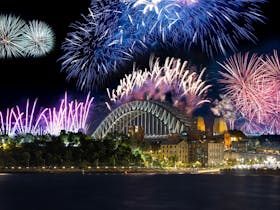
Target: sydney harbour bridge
(157, 119)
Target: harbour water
(145, 192)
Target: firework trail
(19, 121)
(71, 116)
(252, 85)
(8, 122)
(38, 38)
(11, 39)
(27, 122)
(186, 87)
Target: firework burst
(95, 49)
(201, 23)
(11, 37)
(115, 32)
(252, 84)
(186, 87)
(39, 38)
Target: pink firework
(8, 122)
(252, 83)
(18, 121)
(186, 87)
(71, 116)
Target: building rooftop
(171, 142)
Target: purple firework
(71, 116)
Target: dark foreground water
(145, 192)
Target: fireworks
(26, 121)
(7, 128)
(252, 85)
(17, 121)
(71, 116)
(186, 87)
(98, 46)
(19, 39)
(115, 32)
(11, 39)
(214, 25)
(39, 38)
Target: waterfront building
(269, 149)
(248, 156)
(208, 153)
(197, 152)
(177, 149)
(215, 152)
(240, 146)
(232, 136)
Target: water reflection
(90, 192)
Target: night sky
(41, 77)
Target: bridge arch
(157, 119)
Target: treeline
(78, 150)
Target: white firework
(188, 89)
(11, 36)
(149, 5)
(39, 38)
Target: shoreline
(251, 172)
(147, 171)
(104, 170)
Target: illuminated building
(197, 152)
(269, 144)
(215, 152)
(232, 136)
(173, 148)
(219, 127)
(208, 153)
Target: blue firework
(116, 31)
(98, 46)
(214, 25)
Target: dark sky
(41, 77)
